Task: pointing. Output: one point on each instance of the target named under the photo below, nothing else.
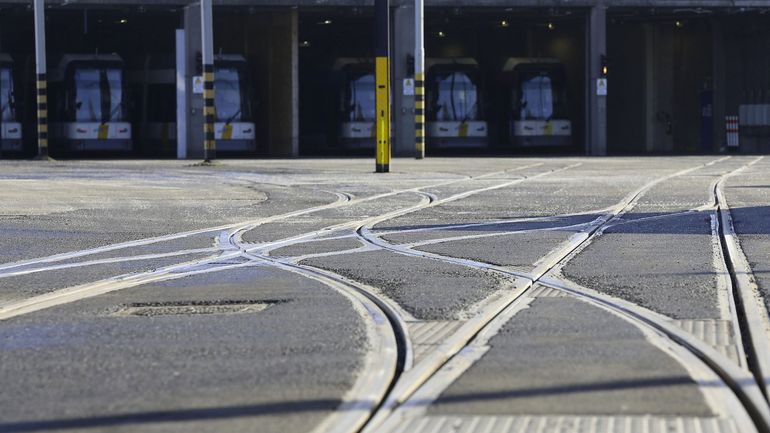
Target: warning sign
(601, 87)
(408, 86)
(198, 84)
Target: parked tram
(89, 104)
(10, 126)
(155, 90)
(357, 103)
(539, 112)
(454, 109)
(234, 130)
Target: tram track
(747, 395)
(343, 199)
(227, 239)
(358, 411)
(409, 380)
(392, 378)
(754, 320)
(386, 329)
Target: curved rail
(739, 382)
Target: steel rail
(726, 372)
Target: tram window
(361, 99)
(455, 97)
(228, 98)
(98, 95)
(542, 97)
(8, 111)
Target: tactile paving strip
(565, 424)
(716, 333)
(546, 292)
(426, 335)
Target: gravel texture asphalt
(664, 264)
(428, 289)
(518, 251)
(260, 349)
(89, 365)
(318, 247)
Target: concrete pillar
(283, 129)
(403, 105)
(596, 107)
(193, 102)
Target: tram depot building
(295, 77)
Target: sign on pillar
(601, 87)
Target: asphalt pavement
(294, 295)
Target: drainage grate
(190, 308)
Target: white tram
(454, 108)
(357, 102)
(10, 126)
(88, 104)
(539, 113)
(155, 90)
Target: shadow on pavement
(632, 222)
(172, 415)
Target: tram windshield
(541, 95)
(229, 98)
(455, 96)
(361, 99)
(99, 95)
(7, 109)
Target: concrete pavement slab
(563, 356)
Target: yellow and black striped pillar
(209, 112)
(42, 116)
(382, 83)
(41, 70)
(419, 114)
(419, 78)
(207, 60)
